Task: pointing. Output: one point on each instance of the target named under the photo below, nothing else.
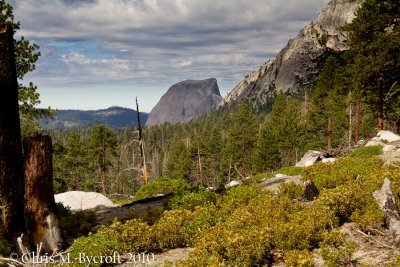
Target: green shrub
(343, 171)
(161, 186)
(131, 237)
(236, 196)
(366, 151)
(75, 224)
(189, 200)
(291, 190)
(243, 225)
(335, 250)
(299, 258)
(290, 170)
(170, 231)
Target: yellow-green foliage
(299, 258)
(161, 186)
(132, 236)
(291, 190)
(189, 200)
(366, 151)
(290, 170)
(240, 227)
(335, 250)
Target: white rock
(279, 175)
(375, 142)
(79, 200)
(388, 136)
(388, 148)
(232, 184)
(328, 160)
(361, 142)
(309, 158)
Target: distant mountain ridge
(186, 100)
(114, 117)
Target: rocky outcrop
(297, 65)
(79, 200)
(310, 191)
(185, 101)
(387, 203)
(309, 158)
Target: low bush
(161, 186)
(242, 226)
(131, 237)
(335, 250)
(74, 224)
(291, 190)
(191, 199)
(299, 258)
(290, 170)
(366, 151)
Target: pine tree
(241, 141)
(328, 117)
(102, 145)
(374, 38)
(72, 169)
(266, 153)
(285, 118)
(179, 161)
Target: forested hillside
(113, 117)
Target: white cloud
(152, 42)
(181, 63)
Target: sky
(101, 53)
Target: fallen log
(387, 203)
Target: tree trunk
(39, 196)
(11, 161)
(380, 110)
(329, 133)
(350, 123)
(103, 173)
(357, 122)
(200, 169)
(141, 144)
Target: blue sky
(102, 53)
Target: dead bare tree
(329, 133)
(141, 144)
(11, 161)
(40, 205)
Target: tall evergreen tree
(328, 117)
(179, 161)
(266, 153)
(241, 140)
(72, 165)
(102, 145)
(374, 38)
